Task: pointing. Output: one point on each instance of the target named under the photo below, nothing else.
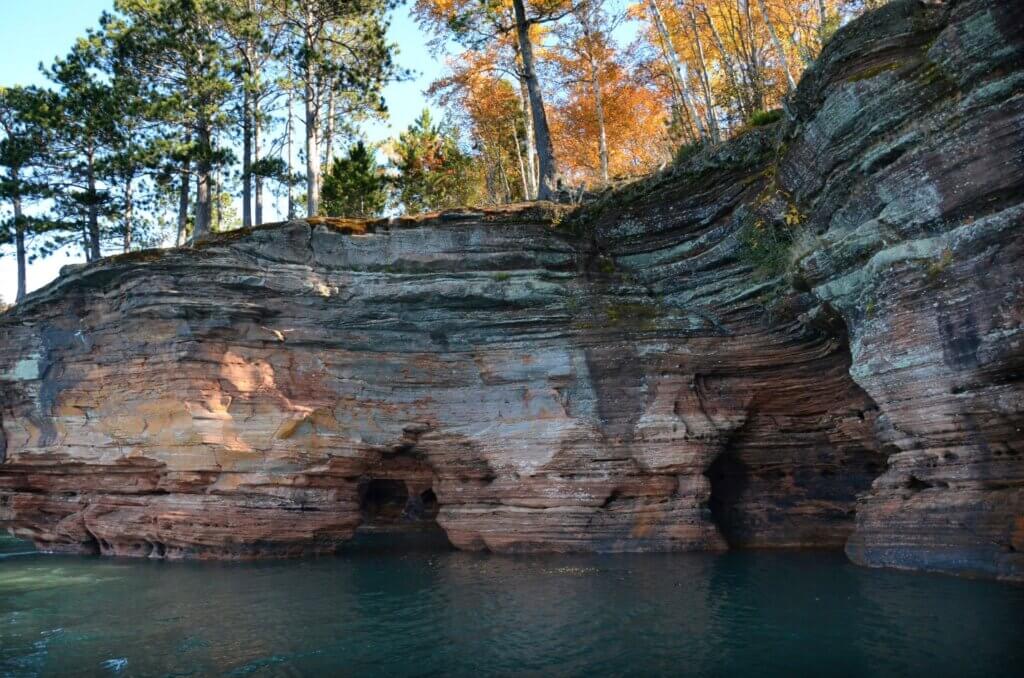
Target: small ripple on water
(115, 665)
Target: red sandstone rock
(641, 388)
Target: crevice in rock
(93, 544)
(729, 480)
(611, 499)
(915, 484)
(427, 503)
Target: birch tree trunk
(727, 62)
(312, 124)
(679, 68)
(522, 165)
(312, 151)
(183, 196)
(329, 130)
(531, 148)
(257, 179)
(291, 166)
(246, 157)
(548, 175)
(94, 217)
(290, 152)
(595, 87)
(705, 81)
(780, 51)
(753, 65)
(127, 216)
(504, 178)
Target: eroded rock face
(914, 180)
(617, 378)
(233, 401)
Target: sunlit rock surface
(612, 378)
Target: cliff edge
(810, 336)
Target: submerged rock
(811, 336)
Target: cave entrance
(808, 445)
(383, 502)
(729, 479)
(399, 513)
(389, 505)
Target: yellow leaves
(793, 216)
(634, 120)
(713, 39)
(731, 68)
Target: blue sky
(34, 31)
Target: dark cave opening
(427, 501)
(383, 501)
(729, 479)
(792, 474)
(398, 515)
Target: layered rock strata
(630, 375)
(907, 151)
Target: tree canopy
(158, 121)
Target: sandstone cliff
(810, 336)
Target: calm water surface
(420, 612)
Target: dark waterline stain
(422, 610)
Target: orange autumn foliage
(635, 125)
(727, 60)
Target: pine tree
(253, 36)
(433, 172)
(172, 47)
(23, 155)
(82, 132)
(355, 185)
(133, 156)
(334, 47)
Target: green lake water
(429, 612)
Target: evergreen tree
(433, 171)
(334, 49)
(23, 155)
(82, 135)
(253, 35)
(171, 46)
(355, 185)
(133, 156)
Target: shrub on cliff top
(773, 237)
(354, 185)
(686, 151)
(762, 118)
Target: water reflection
(428, 611)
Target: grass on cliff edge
(693, 165)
